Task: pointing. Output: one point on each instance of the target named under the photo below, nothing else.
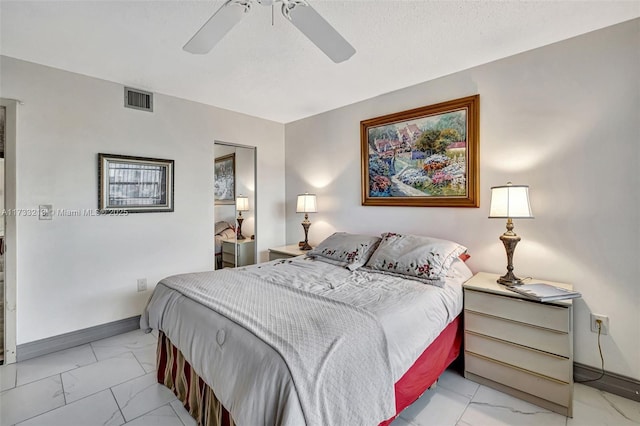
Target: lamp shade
(242, 203)
(510, 201)
(306, 203)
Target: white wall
(77, 272)
(562, 119)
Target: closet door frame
(254, 182)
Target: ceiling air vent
(138, 99)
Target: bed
(343, 336)
(224, 231)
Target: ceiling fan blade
(318, 30)
(217, 26)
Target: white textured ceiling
(273, 71)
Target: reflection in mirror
(234, 211)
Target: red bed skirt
(198, 398)
(428, 367)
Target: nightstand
(286, 252)
(518, 346)
(246, 253)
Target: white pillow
(422, 258)
(343, 249)
(220, 226)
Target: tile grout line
(117, 384)
(141, 415)
(139, 363)
(178, 415)
(64, 394)
(69, 370)
(468, 404)
(113, 395)
(109, 387)
(48, 411)
(46, 377)
(71, 403)
(93, 351)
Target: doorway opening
(3, 119)
(234, 218)
(8, 264)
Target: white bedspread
(250, 377)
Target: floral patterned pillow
(349, 250)
(415, 257)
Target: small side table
(245, 249)
(519, 346)
(286, 252)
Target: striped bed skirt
(200, 401)
(196, 396)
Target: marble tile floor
(112, 382)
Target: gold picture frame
(424, 157)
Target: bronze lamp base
(510, 240)
(306, 224)
(239, 235)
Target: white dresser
(246, 253)
(285, 252)
(519, 346)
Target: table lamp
(510, 202)
(242, 205)
(306, 204)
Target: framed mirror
(234, 205)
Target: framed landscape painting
(225, 179)
(424, 157)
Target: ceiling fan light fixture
(217, 26)
(318, 30)
(298, 12)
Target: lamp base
(509, 280)
(510, 240)
(306, 224)
(239, 235)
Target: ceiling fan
(298, 12)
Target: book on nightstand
(544, 292)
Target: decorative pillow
(220, 226)
(415, 257)
(343, 249)
(228, 234)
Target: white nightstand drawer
(228, 257)
(542, 315)
(275, 255)
(551, 390)
(553, 366)
(534, 337)
(285, 252)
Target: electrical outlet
(604, 325)
(142, 284)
